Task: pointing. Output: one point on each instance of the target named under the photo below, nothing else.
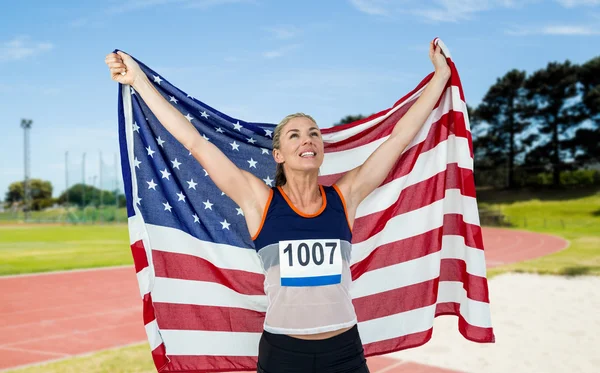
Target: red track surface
(58, 315)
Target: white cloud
(280, 52)
(436, 10)
(133, 5)
(283, 32)
(562, 30)
(372, 7)
(576, 3)
(22, 47)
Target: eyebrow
(295, 130)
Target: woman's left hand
(438, 60)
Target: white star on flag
(205, 138)
(150, 151)
(237, 126)
(136, 128)
(269, 133)
(252, 163)
(265, 151)
(165, 174)
(251, 140)
(181, 197)
(160, 142)
(196, 218)
(192, 184)
(132, 91)
(136, 162)
(205, 172)
(239, 211)
(219, 129)
(189, 117)
(151, 184)
(204, 114)
(173, 99)
(268, 181)
(225, 224)
(176, 164)
(167, 206)
(138, 200)
(234, 146)
(157, 79)
(208, 205)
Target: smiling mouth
(308, 154)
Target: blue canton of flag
(173, 188)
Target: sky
(257, 60)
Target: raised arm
(358, 183)
(246, 190)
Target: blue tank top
(306, 259)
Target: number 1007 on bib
(310, 262)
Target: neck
(302, 188)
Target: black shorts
(343, 353)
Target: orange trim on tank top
(300, 212)
(264, 216)
(343, 203)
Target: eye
(315, 134)
(293, 135)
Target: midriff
(318, 336)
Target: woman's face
(301, 145)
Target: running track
(58, 315)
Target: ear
(277, 156)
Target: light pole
(26, 125)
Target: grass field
(132, 359)
(40, 248)
(574, 215)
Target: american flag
(417, 245)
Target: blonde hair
(280, 178)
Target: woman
(302, 231)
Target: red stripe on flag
(140, 259)
(211, 318)
(189, 267)
(148, 309)
(159, 355)
(456, 270)
(470, 332)
(412, 198)
(396, 301)
(405, 164)
(197, 364)
(397, 344)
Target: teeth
(307, 154)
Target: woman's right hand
(120, 63)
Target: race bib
(310, 262)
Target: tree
(41, 193)
(84, 195)
(552, 91)
(349, 119)
(502, 109)
(585, 145)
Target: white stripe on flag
(210, 343)
(173, 240)
(345, 160)
(475, 312)
(203, 293)
(428, 164)
(398, 325)
(349, 132)
(153, 334)
(419, 221)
